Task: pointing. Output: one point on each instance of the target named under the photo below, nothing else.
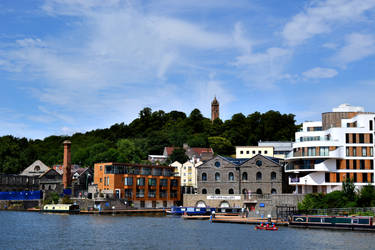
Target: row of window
(140, 193)
(356, 177)
(254, 152)
(357, 164)
(244, 176)
(358, 138)
(362, 151)
(118, 169)
(244, 191)
(128, 181)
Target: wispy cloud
(320, 73)
(321, 16)
(357, 47)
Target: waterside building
(330, 151)
(141, 185)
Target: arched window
(231, 176)
(244, 191)
(217, 176)
(259, 163)
(200, 204)
(231, 191)
(204, 177)
(273, 176)
(217, 191)
(204, 191)
(244, 176)
(259, 191)
(224, 204)
(273, 191)
(36, 168)
(259, 176)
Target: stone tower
(67, 178)
(214, 109)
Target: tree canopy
(148, 134)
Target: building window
(140, 193)
(151, 193)
(354, 164)
(364, 151)
(326, 177)
(163, 183)
(217, 176)
(253, 152)
(152, 182)
(347, 164)
(362, 164)
(241, 152)
(259, 176)
(259, 163)
(347, 151)
(371, 151)
(231, 176)
(217, 164)
(140, 181)
(354, 151)
(259, 191)
(129, 193)
(244, 176)
(355, 177)
(354, 138)
(371, 164)
(217, 191)
(364, 177)
(337, 177)
(204, 191)
(311, 151)
(247, 152)
(231, 191)
(128, 181)
(323, 151)
(370, 125)
(101, 180)
(259, 152)
(361, 138)
(204, 177)
(101, 168)
(371, 138)
(273, 191)
(273, 176)
(347, 138)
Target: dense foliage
(346, 198)
(148, 134)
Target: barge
(61, 208)
(333, 222)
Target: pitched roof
(35, 169)
(198, 151)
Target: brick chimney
(67, 178)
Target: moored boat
(61, 208)
(335, 222)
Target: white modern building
(327, 152)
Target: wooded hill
(149, 134)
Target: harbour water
(26, 230)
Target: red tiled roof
(199, 151)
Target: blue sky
(71, 65)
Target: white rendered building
(188, 174)
(327, 152)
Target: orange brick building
(142, 185)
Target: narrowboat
(61, 208)
(333, 222)
(191, 210)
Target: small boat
(263, 227)
(61, 208)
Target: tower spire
(214, 109)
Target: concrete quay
(235, 219)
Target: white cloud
(320, 16)
(320, 73)
(262, 70)
(357, 47)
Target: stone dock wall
(262, 204)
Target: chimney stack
(67, 178)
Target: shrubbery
(348, 197)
